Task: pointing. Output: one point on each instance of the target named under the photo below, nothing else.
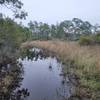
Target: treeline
(13, 34)
(68, 29)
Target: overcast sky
(52, 11)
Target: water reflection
(11, 76)
(44, 76)
(35, 54)
(36, 75)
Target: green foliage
(68, 29)
(90, 39)
(97, 38)
(11, 37)
(16, 7)
(85, 40)
(10, 32)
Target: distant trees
(73, 29)
(39, 30)
(68, 29)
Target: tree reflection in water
(11, 76)
(35, 54)
(65, 91)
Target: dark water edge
(36, 75)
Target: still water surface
(42, 77)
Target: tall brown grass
(83, 55)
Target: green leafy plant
(85, 40)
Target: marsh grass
(86, 61)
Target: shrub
(97, 38)
(85, 40)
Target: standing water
(42, 77)
(37, 75)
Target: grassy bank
(86, 61)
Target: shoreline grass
(86, 61)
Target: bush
(97, 38)
(85, 40)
